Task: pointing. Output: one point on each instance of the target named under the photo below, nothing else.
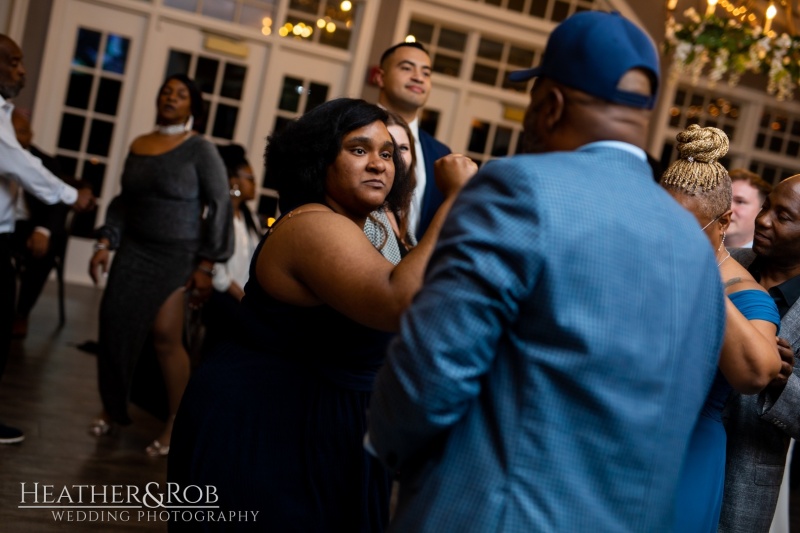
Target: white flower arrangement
(731, 49)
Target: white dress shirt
(419, 190)
(237, 268)
(20, 167)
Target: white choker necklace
(175, 129)
(172, 129)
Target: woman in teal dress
(749, 359)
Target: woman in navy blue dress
(275, 421)
(749, 359)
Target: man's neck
(737, 241)
(408, 116)
(773, 273)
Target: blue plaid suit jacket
(548, 375)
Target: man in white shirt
(405, 82)
(749, 192)
(19, 168)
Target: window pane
(519, 86)
(186, 5)
(87, 48)
(317, 94)
(116, 54)
(490, 50)
(290, 95)
(421, 31)
(516, 5)
(233, 81)
(309, 6)
(68, 165)
(206, 74)
(334, 11)
(447, 65)
(538, 8)
(453, 40)
(521, 57)
(478, 137)
(93, 172)
(178, 63)
(429, 121)
(100, 137)
(219, 9)
(484, 74)
(108, 96)
(80, 87)
(225, 122)
(254, 16)
(71, 132)
(339, 38)
(267, 207)
(560, 11)
(502, 141)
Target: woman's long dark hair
(196, 96)
(297, 158)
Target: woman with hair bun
(749, 359)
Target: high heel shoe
(100, 427)
(156, 449)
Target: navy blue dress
(276, 422)
(699, 498)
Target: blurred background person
(749, 359)
(276, 420)
(219, 313)
(40, 234)
(749, 193)
(165, 253)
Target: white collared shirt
(419, 190)
(20, 167)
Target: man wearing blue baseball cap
(549, 373)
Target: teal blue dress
(699, 497)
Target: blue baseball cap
(591, 51)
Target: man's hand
(38, 243)
(787, 366)
(86, 200)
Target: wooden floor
(49, 390)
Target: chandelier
(726, 41)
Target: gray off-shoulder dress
(174, 209)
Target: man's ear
(552, 109)
(377, 77)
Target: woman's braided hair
(697, 171)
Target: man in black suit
(40, 235)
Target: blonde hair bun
(698, 169)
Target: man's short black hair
(390, 51)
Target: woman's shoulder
(736, 278)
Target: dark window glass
(538, 8)
(334, 11)
(447, 65)
(519, 86)
(775, 145)
(317, 93)
(484, 74)
(490, 50)
(290, 94)
(422, 32)
(93, 173)
(779, 124)
(206, 74)
(796, 128)
(429, 121)
(666, 155)
(675, 120)
(520, 148)
(516, 5)
(187, 5)
(80, 87)
(560, 11)
(768, 174)
(225, 123)
(478, 137)
(71, 132)
(116, 54)
(761, 139)
(178, 63)
(452, 40)
(267, 207)
(766, 118)
(68, 165)
(792, 148)
(233, 81)
(108, 96)
(83, 224)
(339, 38)
(307, 6)
(87, 48)
(100, 137)
(502, 141)
(711, 123)
(493, 2)
(521, 57)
